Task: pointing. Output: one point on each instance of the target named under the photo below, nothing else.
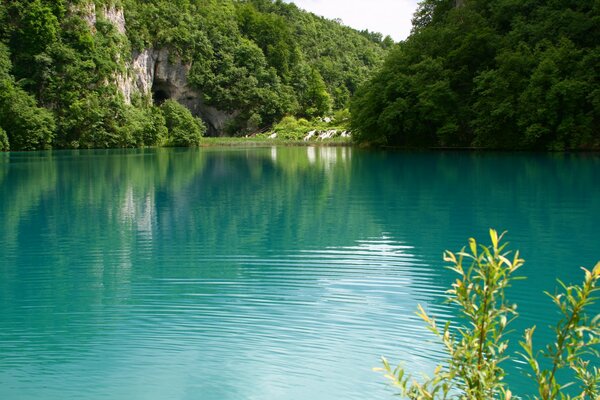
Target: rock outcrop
(115, 16)
(157, 74)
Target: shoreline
(260, 142)
(212, 142)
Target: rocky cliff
(156, 74)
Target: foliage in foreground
(478, 346)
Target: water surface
(263, 273)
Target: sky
(390, 17)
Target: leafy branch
(477, 347)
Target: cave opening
(161, 92)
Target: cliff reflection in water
(146, 269)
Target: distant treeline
(515, 74)
(258, 60)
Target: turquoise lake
(264, 273)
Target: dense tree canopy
(489, 73)
(258, 60)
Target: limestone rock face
(167, 78)
(157, 75)
(141, 71)
(170, 78)
(115, 16)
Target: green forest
(500, 74)
(229, 67)
(506, 74)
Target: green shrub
(291, 128)
(145, 126)
(342, 116)
(184, 130)
(29, 126)
(478, 347)
(4, 146)
(93, 121)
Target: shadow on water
(264, 272)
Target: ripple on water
(263, 273)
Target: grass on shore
(263, 142)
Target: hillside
(512, 74)
(82, 74)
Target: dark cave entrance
(161, 92)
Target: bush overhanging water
(478, 346)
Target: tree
(24, 125)
(316, 101)
(514, 75)
(183, 128)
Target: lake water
(263, 273)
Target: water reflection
(259, 273)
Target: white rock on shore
(309, 135)
(328, 134)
